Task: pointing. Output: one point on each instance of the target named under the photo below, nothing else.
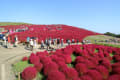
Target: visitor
(69, 42)
(46, 42)
(54, 41)
(73, 41)
(8, 42)
(27, 43)
(62, 42)
(83, 42)
(77, 41)
(16, 41)
(4, 41)
(42, 44)
(31, 44)
(35, 43)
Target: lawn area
(98, 38)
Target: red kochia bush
(116, 58)
(45, 60)
(29, 73)
(116, 70)
(38, 67)
(86, 77)
(56, 75)
(68, 50)
(81, 68)
(57, 59)
(48, 68)
(114, 77)
(62, 65)
(79, 59)
(68, 59)
(24, 58)
(105, 62)
(104, 71)
(70, 73)
(34, 59)
(77, 78)
(90, 64)
(116, 65)
(95, 75)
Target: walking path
(10, 56)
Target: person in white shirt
(31, 44)
(16, 41)
(35, 43)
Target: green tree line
(112, 34)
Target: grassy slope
(102, 37)
(11, 23)
(98, 38)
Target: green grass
(11, 23)
(96, 50)
(105, 44)
(40, 76)
(20, 66)
(98, 38)
(73, 56)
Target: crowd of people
(32, 43)
(7, 43)
(48, 44)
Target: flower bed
(75, 62)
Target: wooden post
(18, 75)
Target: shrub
(95, 75)
(114, 77)
(81, 68)
(29, 73)
(89, 64)
(24, 58)
(56, 75)
(34, 59)
(86, 77)
(48, 68)
(70, 73)
(38, 67)
(79, 59)
(104, 71)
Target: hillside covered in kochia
(49, 31)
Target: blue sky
(96, 15)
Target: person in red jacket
(9, 42)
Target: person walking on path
(77, 41)
(35, 43)
(42, 45)
(4, 41)
(62, 42)
(31, 44)
(69, 42)
(27, 42)
(16, 41)
(8, 42)
(73, 41)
